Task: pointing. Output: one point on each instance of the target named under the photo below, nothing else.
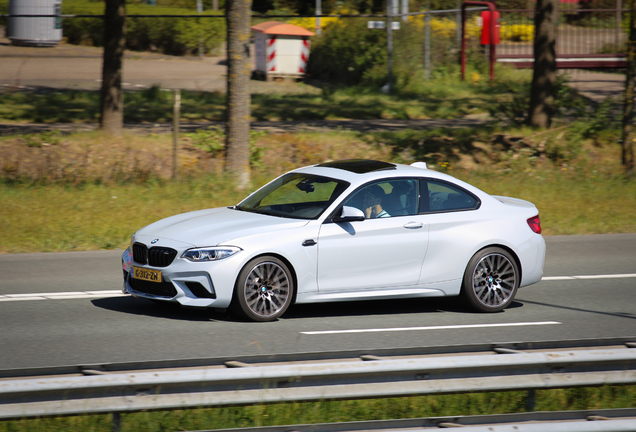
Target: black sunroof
(359, 166)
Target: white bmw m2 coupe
(342, 231)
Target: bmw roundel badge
(154, 241)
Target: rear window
(437, 196)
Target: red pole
(492, 8)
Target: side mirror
(350, 214)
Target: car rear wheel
(491, 280)
(264, 289)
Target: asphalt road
(85, 328)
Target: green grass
(58, 218)
(445, 98)
(339, 411)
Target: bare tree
(628, 108)
(111, 100)
(237, 151)
(544, 74)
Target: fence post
(389, 43)
(619, 14)
(199, 11)
(318, 13)
(427, 41)
(176, 112)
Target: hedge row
(174, 36)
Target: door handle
(309, 242)
(413, 225)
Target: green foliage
(349, 54)
(174, 36)
(46, 138)
(212, 140)
(512, 109)
(600, 120)
(512, 100)
(50, 106)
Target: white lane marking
(118, 293)
(62, 295)
(449, 327)
(608, 276)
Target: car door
(378, 252)
(452, 213)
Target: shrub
(348, 53)
(174, 36)
(517, 32)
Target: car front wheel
(491, 280)
(264, 289)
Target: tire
(264, 289)
(491, 280)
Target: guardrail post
(116, 420)
(530, 400)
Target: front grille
(156, 256)
(140, 253)
(160, 289)
(161, 256)
(199, 290)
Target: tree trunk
(628, 108)
(544, 74)
(111, 100)
(237, 150)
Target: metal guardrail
(622, 419)
(242, 384)
(496, 347)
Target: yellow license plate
(146, 274)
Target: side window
(387, 198)
(438, 196)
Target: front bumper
(189, 284)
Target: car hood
(218, 226)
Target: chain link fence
(187, 51)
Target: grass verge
(89, 191)
(340, 411)
(54, 218)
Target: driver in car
(372, 202)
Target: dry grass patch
(89, 191)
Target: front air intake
(199, 290)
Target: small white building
(282, 50)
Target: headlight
(210, 253)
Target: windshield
(299, 196)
